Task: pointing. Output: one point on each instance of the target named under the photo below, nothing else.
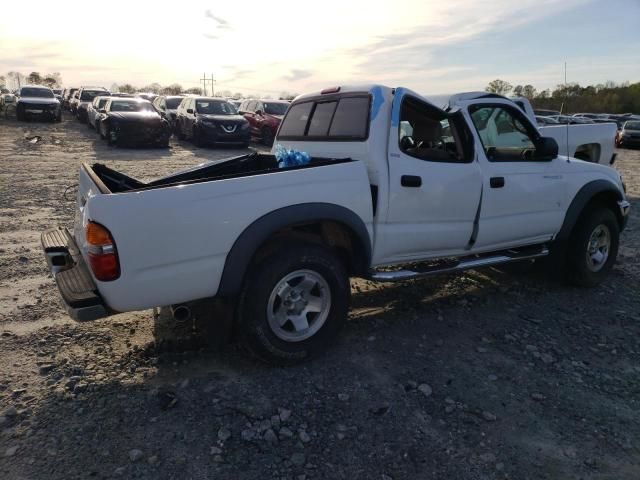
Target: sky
(267, 47)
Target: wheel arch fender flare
(584, 196)
(256, 234)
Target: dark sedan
(211, 121)
(133, 121)
(629, 136)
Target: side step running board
(457, 266)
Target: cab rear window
(332, 119)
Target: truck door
(522, 194)
(435, 183)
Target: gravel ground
(491, 374)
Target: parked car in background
(168, 104)
(74, 101)
(211, 121)
(67, 96)
(37, 101)
(566, 119)
(133, 121)
(57, 92)
(147, 95)
(123, 95)
(264, 117)
(546, 120)
(7, 104)
(85, 97)
(629, 136)
(235, 103)
(545, 113)
(93, 111)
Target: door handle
(496, 182)
(411, 181)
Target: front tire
(593, 247)
(293, 304)
(267, 136)
(20, 115)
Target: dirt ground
(488, 375)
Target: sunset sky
(268, 47)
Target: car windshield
(89, 95)
(124, 106)
(102, 101)
(36, 92)
(632, 126)
(275, 108)
(173, 102)
(215, 107)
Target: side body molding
(259, 231)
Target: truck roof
(368, 88)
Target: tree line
(609, 97)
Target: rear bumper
(75, 284)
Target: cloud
(297, 74)
(221, 23)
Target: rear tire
(593, 247)
(20, 116)
(303, 283)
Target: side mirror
(189, 110)
(258, 112)
(546, 148)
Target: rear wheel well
(589, 152)
(334, 235)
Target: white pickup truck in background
(396, 189)
(593, 142)
(590, 142)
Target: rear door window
(351, 118)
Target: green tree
(499, 86)
(173, 89)
(154, 87)
(529, 91)
(34, 78)
(517, 90)
(127, 88)
(194, 90)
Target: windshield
(89, 95)
(632, 126)
(124, 106)
(36, 92)
(275, 108)
(215, 107)
(173, 102)
(102, 101)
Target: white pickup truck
(396, 189)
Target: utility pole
(212, 88)
(204, 83)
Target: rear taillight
(103, 256)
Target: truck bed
(112, 181)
